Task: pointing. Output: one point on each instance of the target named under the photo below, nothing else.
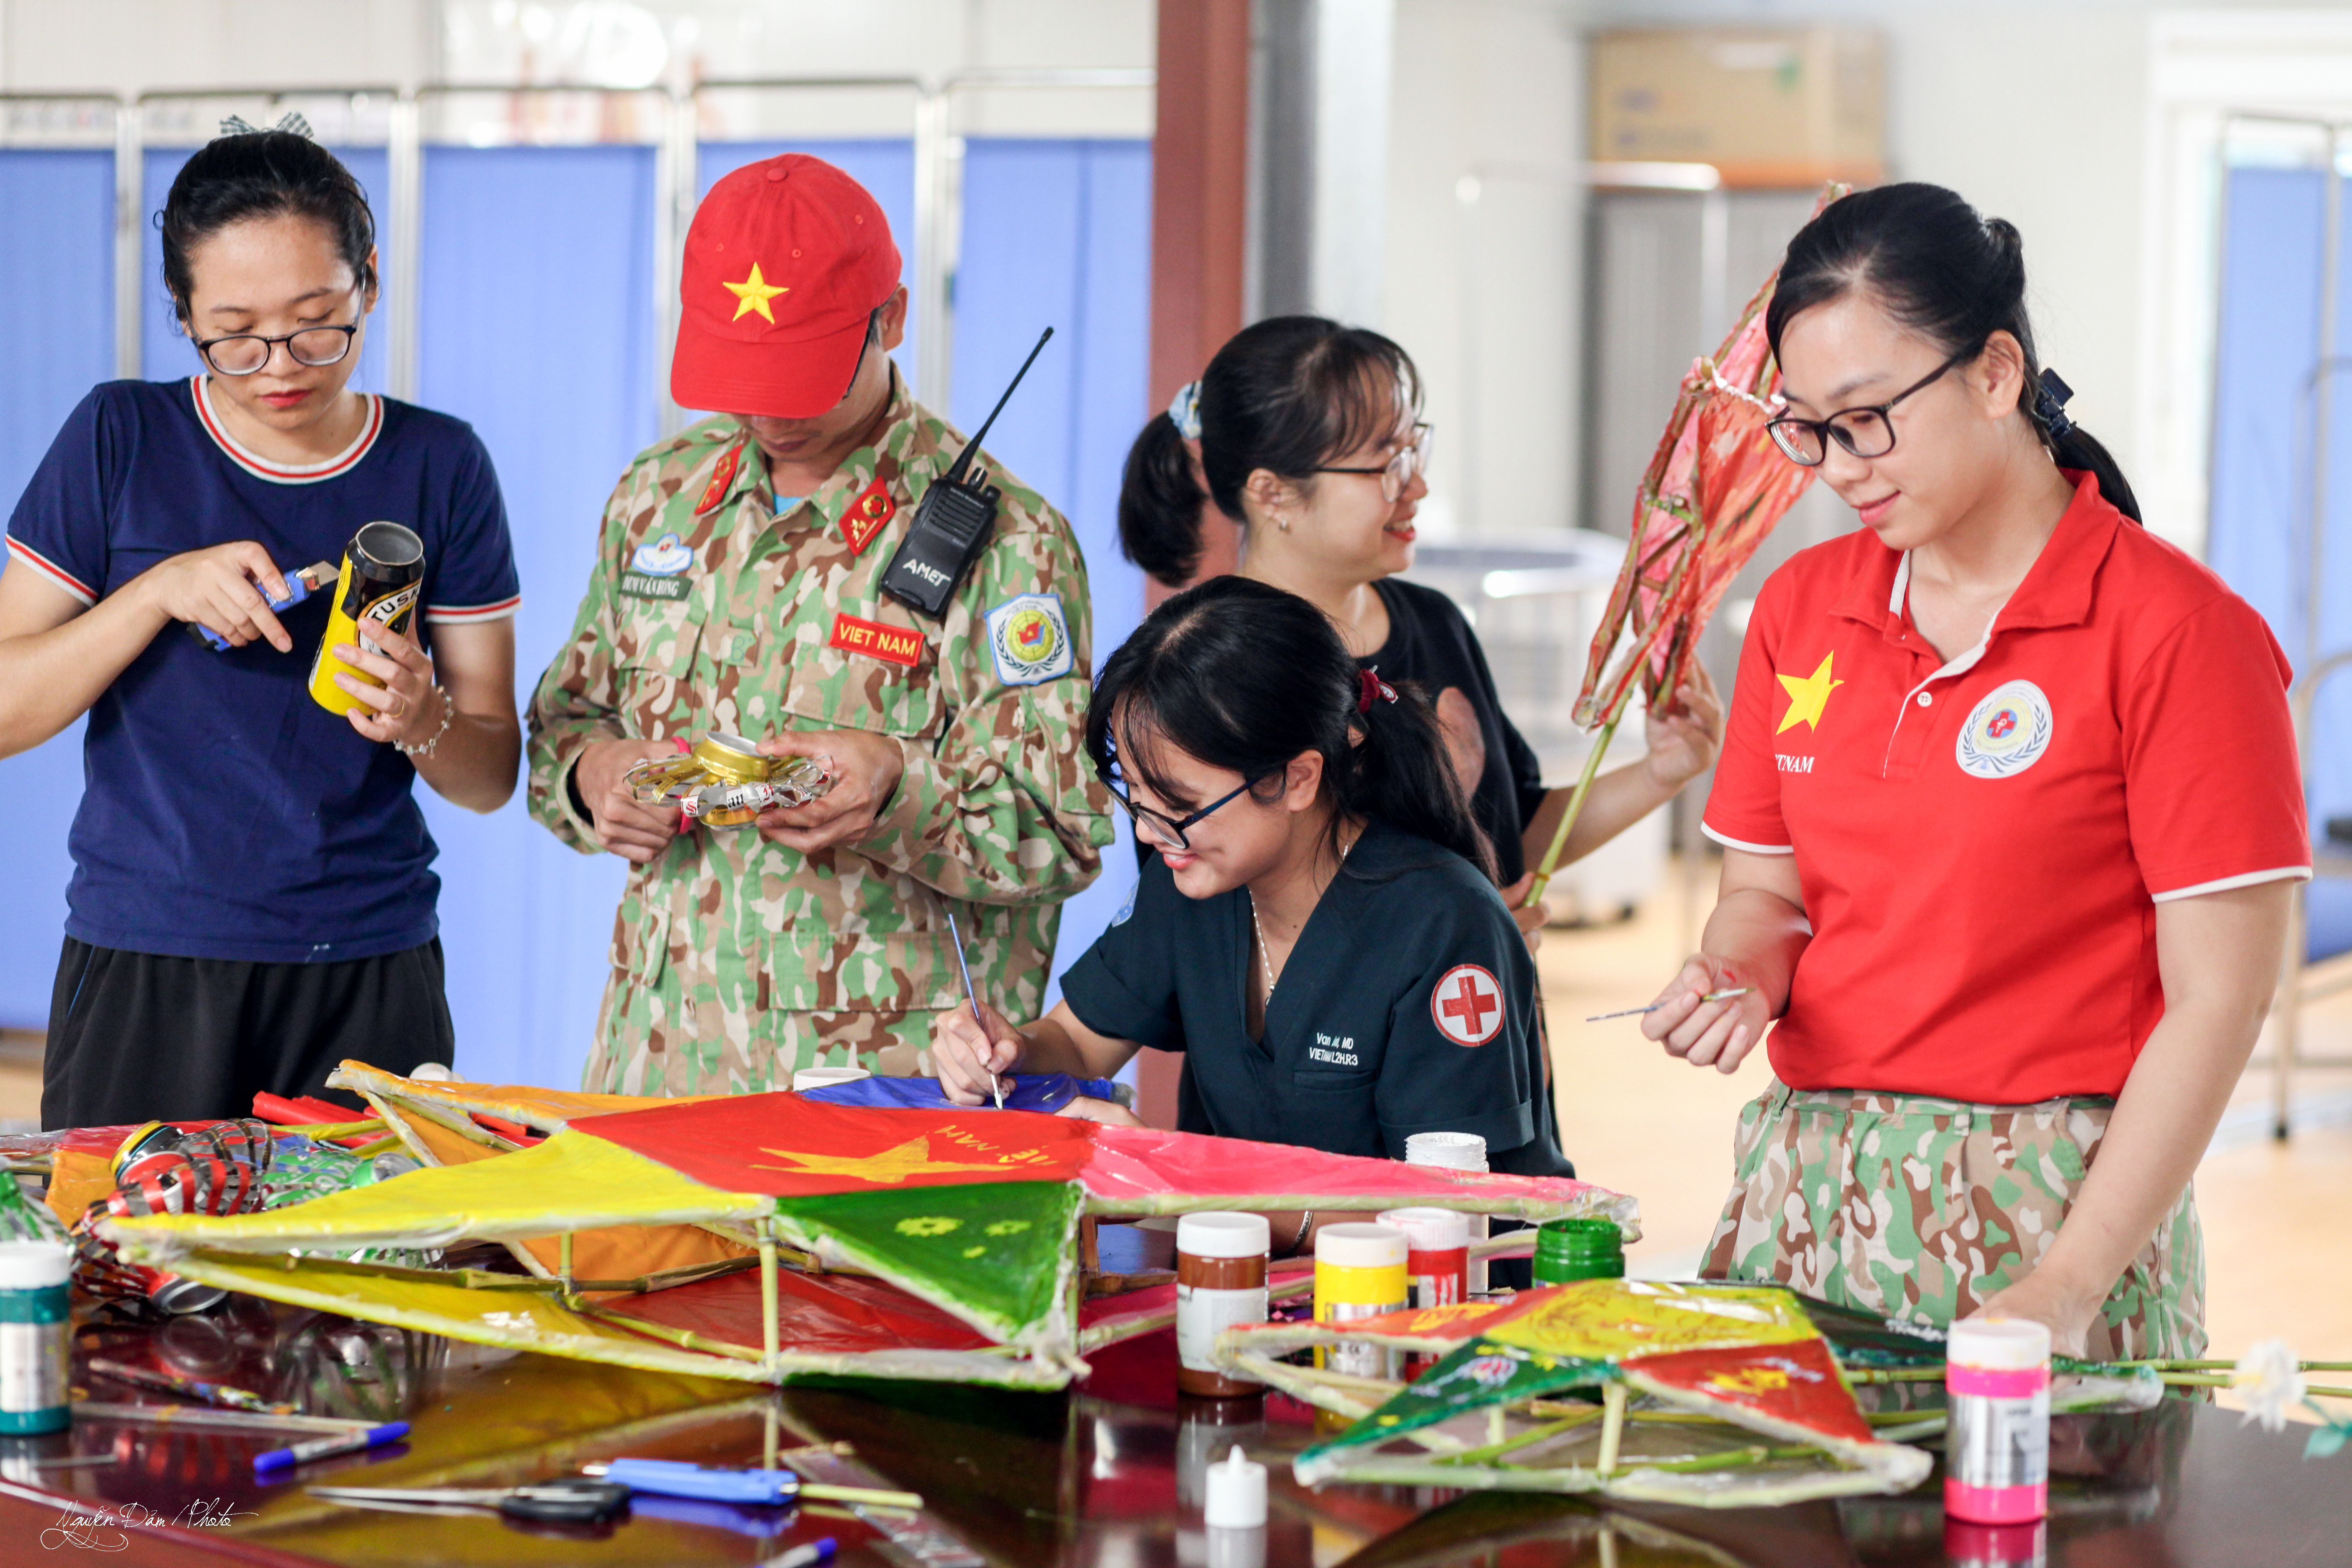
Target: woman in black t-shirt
(1317, 936)
(1307, 433)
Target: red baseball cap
(786, 260)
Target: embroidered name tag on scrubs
(894, 645)
(657, 569)
(720, 478)
(1467, 1004)
(866, 516)
(2006, 734)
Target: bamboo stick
(1613, 1428)
(770, 1333)
(1550, 861)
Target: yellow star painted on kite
(1808, 697)
(754, 294)
(888, 1168)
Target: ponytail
(1286, 395)
(1399, 774)
(1244, 676)
(1952, 275)
(1159, 503)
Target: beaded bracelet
(425, 748)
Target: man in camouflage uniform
(737, 590)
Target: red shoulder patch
(720, 478)
(1466, 1006)
(864, 517)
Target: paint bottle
(384, 573)
(1220, 1283)
(35, 1345)
(1570, 1250)
(1437, 1255)
(1455, 1151)
(1359, 1272)
(1997, 1449)
(1436, 1266)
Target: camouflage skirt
(1909, 1207)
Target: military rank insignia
(720, 478)
(866, 516)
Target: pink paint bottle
(1997, 1447)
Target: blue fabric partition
(538, 326)
(1058, 233)
(2267, 361)
(56, 257)
(163, 352)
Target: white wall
(1490, 291)
(134, 46)
(2041, 113)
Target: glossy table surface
(1110, 1473)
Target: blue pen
(675, 1478)
(358, 1442)
(299, 585)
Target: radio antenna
(955, 474)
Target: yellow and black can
(384, 572)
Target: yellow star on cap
(1808, 697)
(754, 294)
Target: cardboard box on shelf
(1767, 105)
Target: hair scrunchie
(291, 121)
(1184, 411)
(2050, 405)
(1368, 685)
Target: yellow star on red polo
(1808, 697)
(754, 294)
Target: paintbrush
(216, 1394)
(1637, 1012)
(996, 1085)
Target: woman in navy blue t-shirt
(252, 899)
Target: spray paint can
(384, 573)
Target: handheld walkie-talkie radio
(951, 524)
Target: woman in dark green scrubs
(1318, 933)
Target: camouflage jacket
(705, 611)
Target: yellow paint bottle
(1359, 1272)
(384, 572)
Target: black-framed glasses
(243, 354)
(1412, 461)
(1173, 827)
(1864, 432)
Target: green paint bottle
(1570, 1250)
(34, 1353)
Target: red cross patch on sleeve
(720, 478)
(1467, 1004)
(864, 517)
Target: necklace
(1265, 953)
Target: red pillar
(1200, 214)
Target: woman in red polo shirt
(2010, 811)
